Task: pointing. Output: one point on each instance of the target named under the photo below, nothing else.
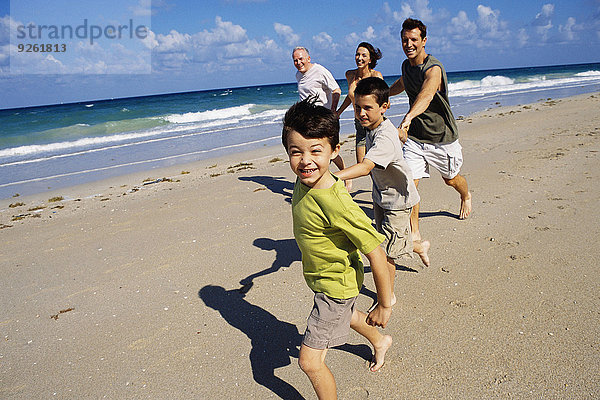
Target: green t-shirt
(330, 229)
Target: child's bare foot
(421, 247)
(380, 350)
(465, 207)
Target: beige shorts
(446, 158)
(395, 225)
(328, 324)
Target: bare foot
(380, 350)
(421, 247)
(465, 207)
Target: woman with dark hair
(366, 59)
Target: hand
(348, 184)
(379, 316)
(402, 134)
(403, 128)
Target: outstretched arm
(344, 105)
(339, 162)
(432, 83)
(382, 312)
(335, 98)
(363, 168)
(397, 87)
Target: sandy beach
(186, 282)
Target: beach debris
(55, 199)
(14, 205)
(150, 181)
(240, 167)
(16, 195)
(185, 172)
(259, 189)
(446, 270)
(21, 216)
(36, 208)
(2, 226)
(55, 316)
(274, 160)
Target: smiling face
(362, 57)
(310, 158)
(301, 60)
(414, 46)
(368, 112)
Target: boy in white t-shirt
(394, 192)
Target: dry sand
(125, 290)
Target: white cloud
(522, 37)
(224, 47)
(489, 22)
(324, 41)
(142, 9)
(462, 26)
(568, 29)
(543, 21)
(354, 38)
(287, 34)
(422, 10)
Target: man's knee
(455, 181)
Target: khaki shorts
(395, 225)
(328, 324)
(446, 158)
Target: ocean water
(50, 147)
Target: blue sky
(197, 45)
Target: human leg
(312, 363)
(381, 343)
(327, 326)
(414, 154)
(459, 183)
(447, 158)
(421, 247)
(414, 218)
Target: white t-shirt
(393, 185)
(317, 81)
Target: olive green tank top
(436, 124)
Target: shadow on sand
(273, 341)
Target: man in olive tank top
(428, 130)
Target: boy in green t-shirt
(330, 229)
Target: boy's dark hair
(311, 121)
(375, 86)
(409, 24)
(374, 54)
